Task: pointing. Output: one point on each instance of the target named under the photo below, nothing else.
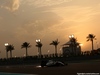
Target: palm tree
(39, 45)
(10, 48)
(91, 37)
(26, 45)
(55, 43)
(74, 45)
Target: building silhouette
(72, 47)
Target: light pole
(39, 45)
(72, 44)
(38, 41)
(6, 45)
(71, 36)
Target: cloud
(41, 3)
(38, 26)
(10, 5)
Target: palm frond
(55, 42)
(25, 45)
(91, 37)
(10, 47)
(39, 44)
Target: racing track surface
(70, 69)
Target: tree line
(26, 45)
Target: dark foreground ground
(70, 69)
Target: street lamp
(39, 45)
(6, 45)
(38, 40)
(80, 44)
(71, 36)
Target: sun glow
(81, 44)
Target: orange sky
(28, 20)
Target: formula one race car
(51, 63)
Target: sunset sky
(28, 20)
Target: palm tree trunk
(7, 54)
(92, 46)
(55, 49)
(26, 51)
(10, 53)
(40, 51)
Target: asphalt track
(14, 74)
(83, 68)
